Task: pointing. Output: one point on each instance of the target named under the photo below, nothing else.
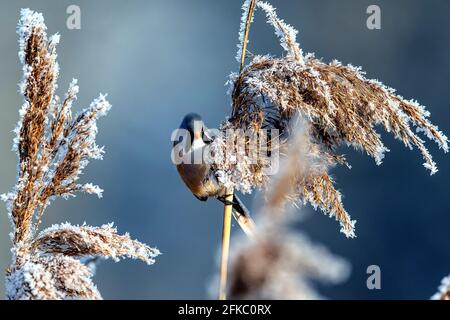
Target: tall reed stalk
(249, 7)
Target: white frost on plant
(443, 290)
(71, 96)
(49, 278)
(101, 106)
(324, 90)
(93, 189)
(53, 148)
(245, 8)
(87, 241)
(233, 164)
(286, 33)
(28, 21)
(394, 99)
(54, 40)
(31, 281)
(81, 137)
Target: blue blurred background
(160, 59)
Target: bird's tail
(243, 218)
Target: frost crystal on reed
(342, 106)
(53, 148)
(278, 264)
(285, 32)
(245, 8)
(443, 290)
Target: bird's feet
(224, 200)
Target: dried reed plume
(282, 266)
(443, 290)
(53, 148)
(341, 105)
(279, 264)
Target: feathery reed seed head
(341, 105)
(53, 149)
(282, 265)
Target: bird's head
(197, 130)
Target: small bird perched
(198, 175)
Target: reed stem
(227, 216)
(251, 9)
(228, 209)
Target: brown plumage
(197, 172)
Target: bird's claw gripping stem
(225, 201)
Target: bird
(199, 176)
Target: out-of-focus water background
(160, 59)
